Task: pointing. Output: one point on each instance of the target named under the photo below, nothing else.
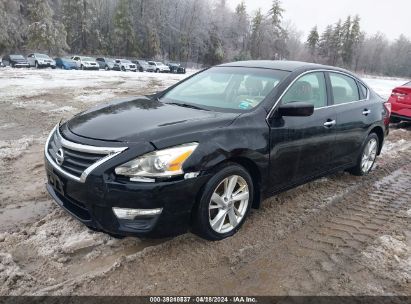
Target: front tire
(36, 64)
(367, 157)
(224, 204)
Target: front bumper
(46, 65)
(92, 202)
(21, 65)
(91, 67)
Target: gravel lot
(339, 235)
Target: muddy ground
(339, 235)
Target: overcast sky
(391, 17)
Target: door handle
(330, 123)
(366, 112)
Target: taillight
(398, 93)
(388, 108)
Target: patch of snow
(11, 274)
(390, 255)
(12, 149)
(392, 148)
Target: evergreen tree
(313, 41)
(125, 42)
(347, 43)
(215, 53)
(336, 44)
(324, 46)
(276, 13)
(256, 35)
(44, 33)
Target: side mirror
(296, 109)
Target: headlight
(162, 163)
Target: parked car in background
(86, 63)
(400, 101)
(66, 63)
(1, 63)
(159, 67)
(176, 68)
(106, 63)
(15, 61)
(143, 66)
(125, 65)
(40, 61)
(202, 153)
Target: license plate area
(56, 182)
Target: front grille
(75, 162)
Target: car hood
(143, 119)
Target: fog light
(131, 214)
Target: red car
(401, 103)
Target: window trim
(271, 112)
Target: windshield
(87, 59)
(151, 63)
(159, 63)
(108, 60)
(42, 56)
(233, 88)
(14, 57)
(142, 62)
(125, 61)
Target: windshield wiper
(186, 105)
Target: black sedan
(176, 68)
(202, 153)
(15, 61)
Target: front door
(301, 147)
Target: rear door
(301, 147)
(355, 114)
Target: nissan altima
(204, 152)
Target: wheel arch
(380, 133)
(255, 173)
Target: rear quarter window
(344, 88)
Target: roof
(276, 65)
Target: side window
(308, 88)
(344, 88)
(363, 90)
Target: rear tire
(36, 64)
(367, 157)
(219, 214)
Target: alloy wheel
(228, 204)
(369, 155)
